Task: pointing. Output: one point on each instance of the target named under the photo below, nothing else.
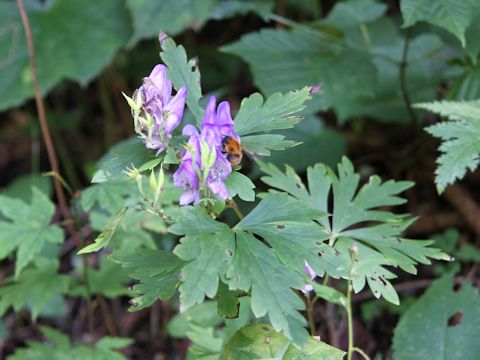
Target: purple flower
(204, 167)
(156, 113)
(312, 274)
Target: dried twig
(465, 205)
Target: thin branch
(235, 208)
(52, 157)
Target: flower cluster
(204, 166)
(156, 113)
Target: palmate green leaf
(157, 271)
(183, 72)
(287, 225)
(261, 341)
(28, 228)
(36, 286)
(71, 42)
(256, 268)
(208, 257)
(453, 15)
(60, 348)
(204, 314)
(441, 324)
(378, 243)
(110, 195)
(209, 247)
(205, 343)
(126, 154)
(279, 111)
(460, 147)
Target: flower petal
(160, 79)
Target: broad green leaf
(171, 16)
(70, 41)
(27, 228)
(59, 347)
(228, 8)
(257, 268)
(283, 60)
(460, 147)
(453, 15)
(105, 236)
(261, 341)
(241, 185)
(183, 72)
(157, 272)
(126, 154)
(441, 324)
(356, 221)
(208, 257)
(472, 47)
(36, 286)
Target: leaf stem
(235, 208)
(403, 82)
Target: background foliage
(399, 87)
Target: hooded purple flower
(155, 112)
(312, 274)
(194, 170)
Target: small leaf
(241, 185)
(227, 302)
(105, 236)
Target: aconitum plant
(269, 267)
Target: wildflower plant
(269, 262)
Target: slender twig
(107, 316)
(52, 157)
(403, 83)
(235, 208)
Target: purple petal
(177, 104)
(189, 196)
(218, 188)
(159, 78)
(209, 117)
(310, 271)
(223, 114)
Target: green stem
(349, 320)
(317, 12)
(361, 352)
(403, 82)
(366, 36)
(311, 319)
